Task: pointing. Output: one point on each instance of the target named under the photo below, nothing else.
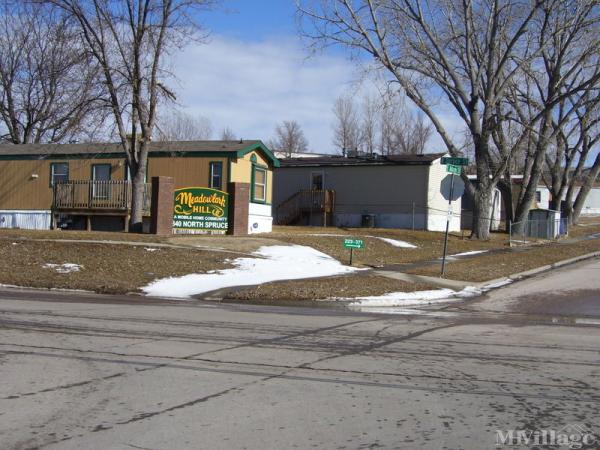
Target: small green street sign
(455, 161)
(354, 243)
(451, 168)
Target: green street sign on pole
(352, 244)
(455, 161)
(451, 168)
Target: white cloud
(251, 86)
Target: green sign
(455, 161)
(354, 243)
(198, 208)
(451, 168)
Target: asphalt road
(94, 372)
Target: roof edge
(263, 148)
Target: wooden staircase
(305, 203)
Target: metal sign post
(352, 244)
(453, 167)
(448, 223)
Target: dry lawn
(357, 285)
(586, 226)
(378, 253)
(106, 268)
(502, 264)
(79, 235)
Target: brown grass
(358, 285)
(491, 266)
(378, 253)
(107, 268)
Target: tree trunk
(507, 200)
(530, 188)
(137, 199)
(584, 191)
(482, 206)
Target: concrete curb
(538, 270)
(413, 278)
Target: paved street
(83, 371)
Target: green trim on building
(114, 156)
(263, 148)
(253, 198)
(229, 166)
(257, 146)
(211, 164)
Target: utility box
(368, 221)
(544, 224)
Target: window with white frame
(59, 172)
(216, 175)
(259, 187)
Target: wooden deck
(96, 198)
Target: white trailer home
(396, 191)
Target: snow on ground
(395, 242)
(420, 298)
(473, 252)
(272, 263)
(63, 268)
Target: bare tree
(227, 134)
(346, 130)
(389, 124)
(48, 88)
(129, 40)
(575, 143)
(181, 126)
(289, 138)
(557, 85)
(414, 134)
(368, 124)
(467, 51)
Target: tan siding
(187, 172)
(241, 171)
(19, 190)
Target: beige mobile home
(87, 185)
(396, 191)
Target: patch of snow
(151, 249)
(394, 242)
(473, 252)
(497, 284)
(418, 298)
(271, 263)
(63, 268)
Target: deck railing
(303, 202)
(96, 195)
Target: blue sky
(255, 71)
(253, 19)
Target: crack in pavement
(64, 386)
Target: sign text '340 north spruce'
(197, 208)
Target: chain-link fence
(526, 231)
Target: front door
(316, 181)
(101, 177)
